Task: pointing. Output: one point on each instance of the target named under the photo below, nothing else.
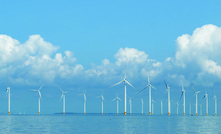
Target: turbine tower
(130, 103)
(168, 90)
(39, 98)
(102, 103)
(117, 99)
(206, 96)
(63, 97)
(85, 99)
(177, 108)
(125, 90)
(142, 106)
(8, 91)
(148, 85)
(190, 108)
(215, 103)
(161, 107)
(183, 95)
(196, 100)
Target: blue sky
(80, 45)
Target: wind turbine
(117, 99)
(215, 103)
(148, 85)
(190, 108)
(168, 90)
(8, 91)
(152, 106)
(142, 106)
(177, 107)
(63, 97)
(206, 96)
(161, 107)
(125, 90)
(130, 103)
(85, 99)
(39, 98)
(196, 100)
(102, 103)
(183, 94)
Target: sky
(84, 45)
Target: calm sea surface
(109, 124)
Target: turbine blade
(153, 87)
(39, 94)
(61, 96)
(142, 90)
(125, 72)
(40, 87)
(166, 84)
(117, 83)
(194, 90)
(34, 90)
(114, 99)
(182, 86)
(129, 84)
(148, 79)
(61, 90)
(204, 97)
(181, 95)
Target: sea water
(109, 124)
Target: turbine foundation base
(125, 113)
(183, 113)
(168, 113)
(206, 113)
(8, 112)
(149, 113)
(38, 112)
(63, 112)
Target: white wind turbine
(152, 106)
(183, 94)
(148, 85)
(206, 96)
(142, 106)
(168, 90)
(102, 103)
(177, 108)
(130, 103)
(39, 98)
(85, 99)
(117, 99)
(215, 103)
(8, 91)
(125, 91)
(215, 99)
(161, 107)
(63, 97)
(196, 100)
(190, 108)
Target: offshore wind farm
(110, 67)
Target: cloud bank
(196, 61)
